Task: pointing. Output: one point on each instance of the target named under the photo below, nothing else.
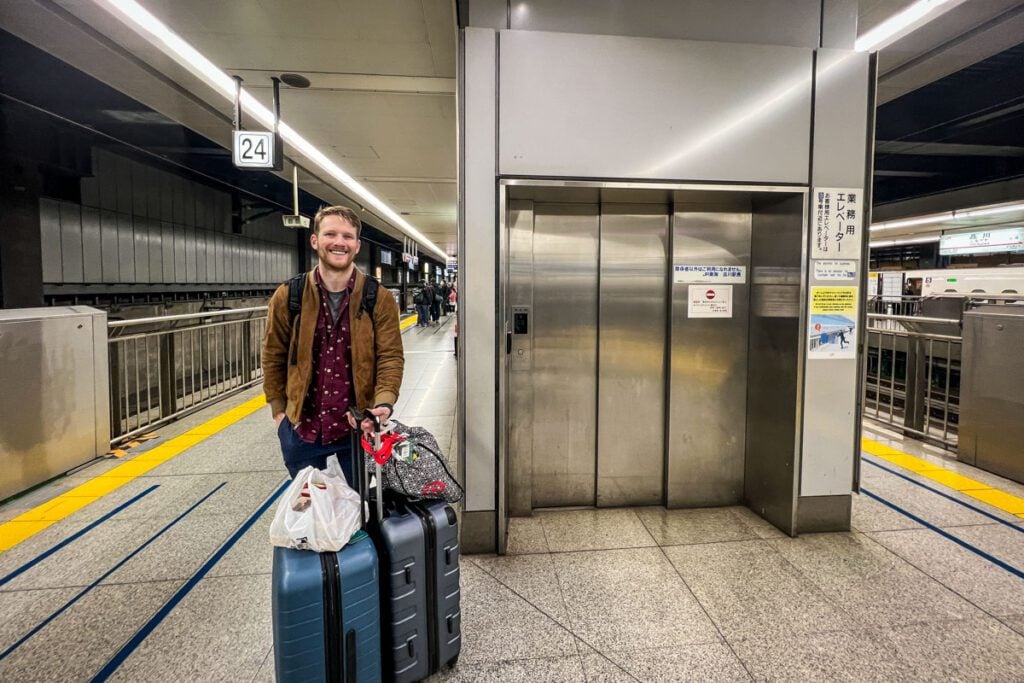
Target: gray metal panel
(92, 247)
(72, 267)
(839, 23)
(211, 257)
(991, 402)
(141, 229)
(167, 251)
(189, 199)
(653, 109)
(477, 261)
(830, 403)
(765, 22)
(631, 354)
(236, 259)
(202, 247)
(564, 362)
(105, 171)
(49, 231)
(708, 388)
(774, 359)
(125, 248)
(57, 359)
(179, 254)
(156, 251)
(166, 197)
(519, 218)
(123, 179)
(219, 252)
(153, 190)
(190, 254)
(109, 245)
(488, 14)
(90, 189)
(141, 181)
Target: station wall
(140, 224)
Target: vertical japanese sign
(838, 222)
(833, 323)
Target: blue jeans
(299, 454)
(423, 314)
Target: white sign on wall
(829, 269)
(253, 149)
(709, 274)
(710, 301)
(837, 222)
(982, 242)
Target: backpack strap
(296, 285)
(369, 302)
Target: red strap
(388, 442)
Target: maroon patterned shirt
(331, 390)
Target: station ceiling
(381, 101)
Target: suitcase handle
(357, 455)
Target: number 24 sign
(254, 149)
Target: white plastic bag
(319, 511)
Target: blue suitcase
(326, 611)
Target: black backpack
(297, 284)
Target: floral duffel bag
(412, 463)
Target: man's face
(336, 244)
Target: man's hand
(277, 419)
(382, 413)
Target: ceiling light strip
(948, 216)
(898, 25)
(133, 14)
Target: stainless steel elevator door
(564, 353)
(631, 387)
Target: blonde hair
(348, 214)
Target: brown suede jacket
(377, 356)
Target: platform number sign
(254, 149)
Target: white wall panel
(125, 248)
(190, 254)
(92, 247)
(592, 106)
(49, 231)
(72, 267)
(179, 254)
(142, 236)
(156, 253)
(167, 251)
(109, 247)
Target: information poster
(710, 274)
(710, 301)
(837, 222)
(829, 269)
(833, 323)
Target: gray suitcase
(418, 543)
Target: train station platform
(164, 574)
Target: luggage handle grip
(357, 452)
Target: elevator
(638, 321)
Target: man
(422, 306)
(332, 354)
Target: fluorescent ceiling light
(948, 216)
(133, 14)
(898, 25)
(910, 240)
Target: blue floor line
(945, 495)
(75, 536)
(154, 621)
(945, 534)
(110, 571)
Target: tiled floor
(643, 594)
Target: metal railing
(165, 367)
(912, 377)
(895, 305)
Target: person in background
(333, 353)
(422, 300)
(435, 304)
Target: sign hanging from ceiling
(255, 149)
(1005, 240)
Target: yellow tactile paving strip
(38, 518)
(408, 322)
(969, 487)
